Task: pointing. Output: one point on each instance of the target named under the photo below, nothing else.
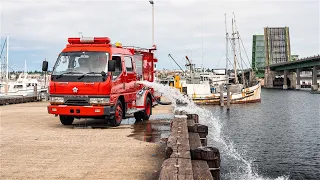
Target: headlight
(57, 99)
(99, 100)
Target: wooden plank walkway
(188, 156)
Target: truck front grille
(77, 102)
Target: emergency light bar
(137, 49)
(89, 40)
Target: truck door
(118, 77)
(131, 78)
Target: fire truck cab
(93, 78)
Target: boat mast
(7, 74)
(227, 60)
(1, 57)
(240, 58)
(202, 48)
(1, 76)
(234, 54)
(25, 69)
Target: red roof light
(92, 40)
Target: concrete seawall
(188, 156)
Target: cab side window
(128, 63)
(118, 68)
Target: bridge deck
(305, 63)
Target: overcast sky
(39, 29)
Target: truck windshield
(77, 63)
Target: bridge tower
(277, 50)
(258, 55)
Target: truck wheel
(148, 111)
(117, 118)
(66, 120)
(145, 115)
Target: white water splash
(244, 169)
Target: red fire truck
(93, 78)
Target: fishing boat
(204, 88)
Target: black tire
(66, 120)
(148, 111)
(144, 115)
(118, 115)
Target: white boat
(24, 86)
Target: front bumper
(81, 111)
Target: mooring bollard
(194, 117)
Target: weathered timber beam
(211, 155)
(176, 169)
(201, 170)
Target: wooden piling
(228, 97)
(221, 96)
(35, 92)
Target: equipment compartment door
(131, 78)
(148, 67)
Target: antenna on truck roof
(80, 35)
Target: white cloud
(47, 24)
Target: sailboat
(207, 91)
(247, 92)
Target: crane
(190, 64)
(176, 62)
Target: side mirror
(111, 65)
(45, 66)
(103, 74)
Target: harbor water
(278, 138)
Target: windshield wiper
(90, 73)
(60, 75)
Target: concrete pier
(285, 80)
(298, 86)
(314, 86)
(269, 77)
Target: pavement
(35, 145)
